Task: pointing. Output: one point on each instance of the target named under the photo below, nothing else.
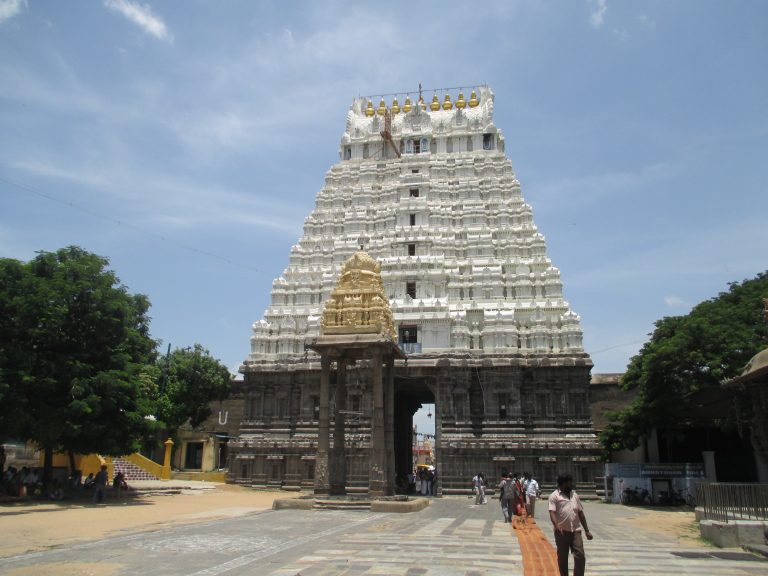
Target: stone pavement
(619, 547)
(451, 537)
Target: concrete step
(131, 471)
(361, 505)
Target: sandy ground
(41, 525)
(679, 525)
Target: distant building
(206, 448)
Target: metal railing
(726, 502)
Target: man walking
(478, 483)
(532, 492)
(504, 499)
(100, 484)
(567, 516)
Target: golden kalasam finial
(358, 304)
(460, 102)
(395, 106)
(447, 104)
(473, 101)
(407, 106)
(382, 108)
(369, 111)
(435, 105)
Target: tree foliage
(74, 344)
(193, 379)
(687, 354)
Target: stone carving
(358, 304)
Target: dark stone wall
(488, 418)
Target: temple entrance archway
(410, 395)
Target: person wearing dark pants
(567, 516)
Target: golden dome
(407, 106)
(358, 304)
(395, 106)
(447, 104)
(361, 261)
(473, 101)
(382, 108)
(461, 103)
(435, 105)
(369, 111)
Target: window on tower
(412, 219)
(413, 193)
(411, 249)
(410, 289)
(487, 141)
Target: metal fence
(727, 502)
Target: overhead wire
(133, 227)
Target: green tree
(687, 354)
(193, 378)
(74, 346)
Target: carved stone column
(322, 480)
(338, 459)
(439, 466)
(378, 474)
(389, 403)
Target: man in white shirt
(532, 492)
(567, 516)
(478, 483)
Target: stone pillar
(389, 402)
(337, 465)
(439, 467)
(166, 473)
(322, 482)
(378, 474)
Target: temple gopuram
(420, 278)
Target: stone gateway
(422, 251)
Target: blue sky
(187, 141)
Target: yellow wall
(88, 463)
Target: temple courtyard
(232, 530)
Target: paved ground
(451, 537)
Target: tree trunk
(71, 462)
(48, 467)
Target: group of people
(423, 480)
(24, 482)
(27, 482)
(518, 495)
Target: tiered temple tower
(478, 308)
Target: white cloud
(621, 34)
(696, 253)
(597, 16)
(10, 8)
(645, 20)
(673, 301)
(156, 201)
(142, 16)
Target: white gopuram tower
(426, 190)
